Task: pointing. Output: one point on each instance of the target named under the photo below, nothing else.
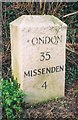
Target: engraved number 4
(44, 85)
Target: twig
(73, 22)
(71, 60)
(57, 6)
(71, 50)
(70, 14)
(76, 60)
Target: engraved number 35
(45, 56)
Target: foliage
(12, 99)
(71, 73)
(72, 28)
(8, 15)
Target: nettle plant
(12, 99)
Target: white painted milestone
(38, 56)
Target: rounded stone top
(38, 21)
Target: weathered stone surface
(38, 56)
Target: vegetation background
(65, 108)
